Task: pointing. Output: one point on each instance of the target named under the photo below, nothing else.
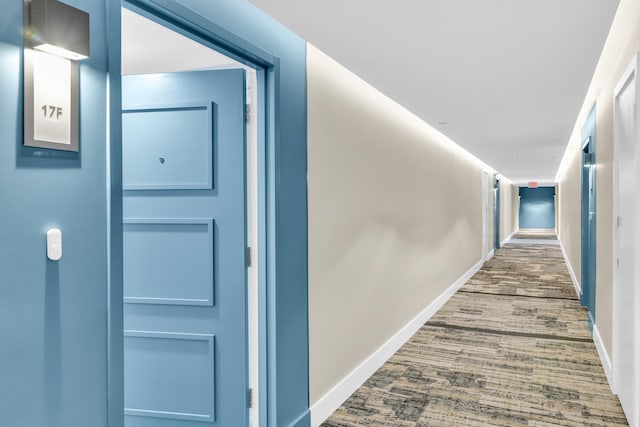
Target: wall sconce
(56, 35)
(57, 28)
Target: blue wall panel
(537, 207)
(53, 315)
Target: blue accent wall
(61, 322)
(537, 207)
(53, 315)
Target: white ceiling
(148, 47)
(507, 76)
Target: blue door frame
(238, 30)
(588, 217)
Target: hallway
(510, 348)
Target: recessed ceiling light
(442, 123)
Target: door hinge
(618, 221)
(249, 260)
(617, 262)
(250, 398)
(247, 113)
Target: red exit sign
(533, 184)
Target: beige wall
(569, 210)
(622, 44)
(509, 205)
(394, 219)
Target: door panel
(157, 161)
(182, 363)
(160, 253)
(184, 249)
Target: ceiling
(148, 47)
(508, 77)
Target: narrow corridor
(511, 348)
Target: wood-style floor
(511, 348)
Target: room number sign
(51, 90)
(54, 112)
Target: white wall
(622, 44)
(395, 212)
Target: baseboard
(331, 401)
(508, 237)
(491, 253)
(574, 279)
(597, 339)
(604, 357)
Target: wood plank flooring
(511, 348)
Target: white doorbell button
(54, 244)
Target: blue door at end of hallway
(185, 302)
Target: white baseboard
(604, 357)
(597, 339)
(508, 237)
(491, 253)
(327, 404)
(574, 279)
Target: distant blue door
(588, 218)
(185, 311)
(496, 213)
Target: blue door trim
(115, 324)
(588, 218)
(282, 203)
(197, 27)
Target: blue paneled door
(496, 213)
(185, 310)
(588, 218)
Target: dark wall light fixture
(58, 28)
(56, 36)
